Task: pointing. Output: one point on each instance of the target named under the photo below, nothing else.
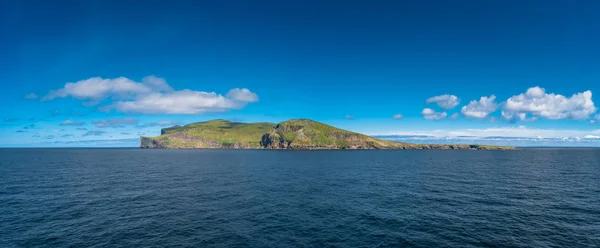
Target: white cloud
(151, 96)
(31, 96)
(430, 114)
(157, 83)
(398, 116)
(501, 132)
(114, 122)
(185, 102)
(454, 116)
(480, 109)
(71, 123)
(539, 104)
(242, 95)
(349, 117)
(98, 89)
(445, 101)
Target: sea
(264, 198)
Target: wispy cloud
(398, 116)
(94, 133)
(349, 117)
(71, 123)
(93, 143)
(115, 122)
(159, 124)
(31, 96)
(513, 132)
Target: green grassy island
(297, 134)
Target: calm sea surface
(244, 198)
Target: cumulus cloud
(241, 95)
(480, 109)
(186, 102)
(445, 101)
(97, 88)
(536, 103)
(115, 122)
(151, 96)
(71, 123)
(31, 96)
(398, 116)
(430, 114)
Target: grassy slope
(292, 134)
(301, 133)
(221, 131)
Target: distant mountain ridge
(297, 134)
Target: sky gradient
(102, 73)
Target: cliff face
(146, 142)
(307, 134)
(210, 134)
(300, 134)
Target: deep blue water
(244, 198)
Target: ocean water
(254, 198)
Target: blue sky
(102, 73)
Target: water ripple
(223, 198)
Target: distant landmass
(298, 134)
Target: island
(297, 134)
